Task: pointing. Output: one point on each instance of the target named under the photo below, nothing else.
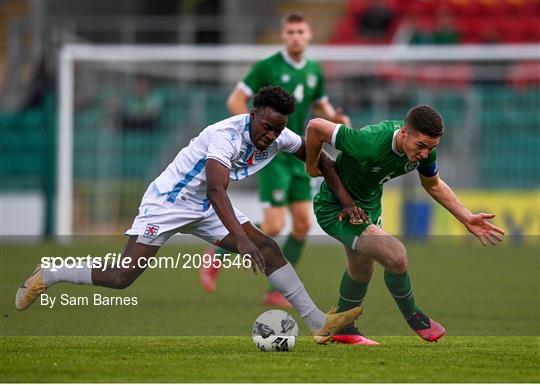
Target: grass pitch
(487, 298)
(234, 359)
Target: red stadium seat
(424, 9)
(478, 21)
(460, 8)
(530, 29)
(471, 30)
(517, 8)
(513, 30)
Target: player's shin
(292, 248)
(351, 292)
(287, 282)
(400, 287)
(81, 275)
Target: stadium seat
(530, 29)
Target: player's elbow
(230, 104)
(237, 102)
(431, 186)
(314, 126)
(212, 192)
(320, 129)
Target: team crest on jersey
(261, 154)
(411, 165)
(278, 195)
(151, 231)
(285, 78)
(375, 169)
(311, 80)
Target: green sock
(292, 249)
(351, 293)
(400, 287)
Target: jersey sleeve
(356, 143)
(289, 141)
(254, 79)
(428, 167)
(320, 91)
(223, 146)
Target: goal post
(357, 74)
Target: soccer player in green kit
(284, 183)
(370, 157)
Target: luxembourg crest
(311, 81)
(261, 154)
(411, 165)
(151, 231)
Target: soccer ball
(275, 330)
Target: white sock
(80, 275)
(287, 282)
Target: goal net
(125, 111)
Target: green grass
(234, 359)
(487, 298)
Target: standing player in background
(284, 183)
(369, 158)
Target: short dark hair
(294, 17)
(426, 120)
(276, 98)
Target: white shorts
(159, 219)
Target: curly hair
(426, 120)
(276, 98)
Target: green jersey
(304, 80)
(369, 158)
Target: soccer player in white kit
(190, 197)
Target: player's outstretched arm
(217, 177)
(476, 224)
(318, 131)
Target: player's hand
(356, 215)
(313, 171)
(340, 117)
(247, 248)
(485, 231)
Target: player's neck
(296, 57)
(399, 142)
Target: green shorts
(284, 181)
(327, 210)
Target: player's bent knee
(361, 275)
(361, 271)
(301, 227)
(272, 253)
(122, 280)
(273, 227)
(398, 263)
(366, 272)
(398, 266)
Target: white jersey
(229, 143)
